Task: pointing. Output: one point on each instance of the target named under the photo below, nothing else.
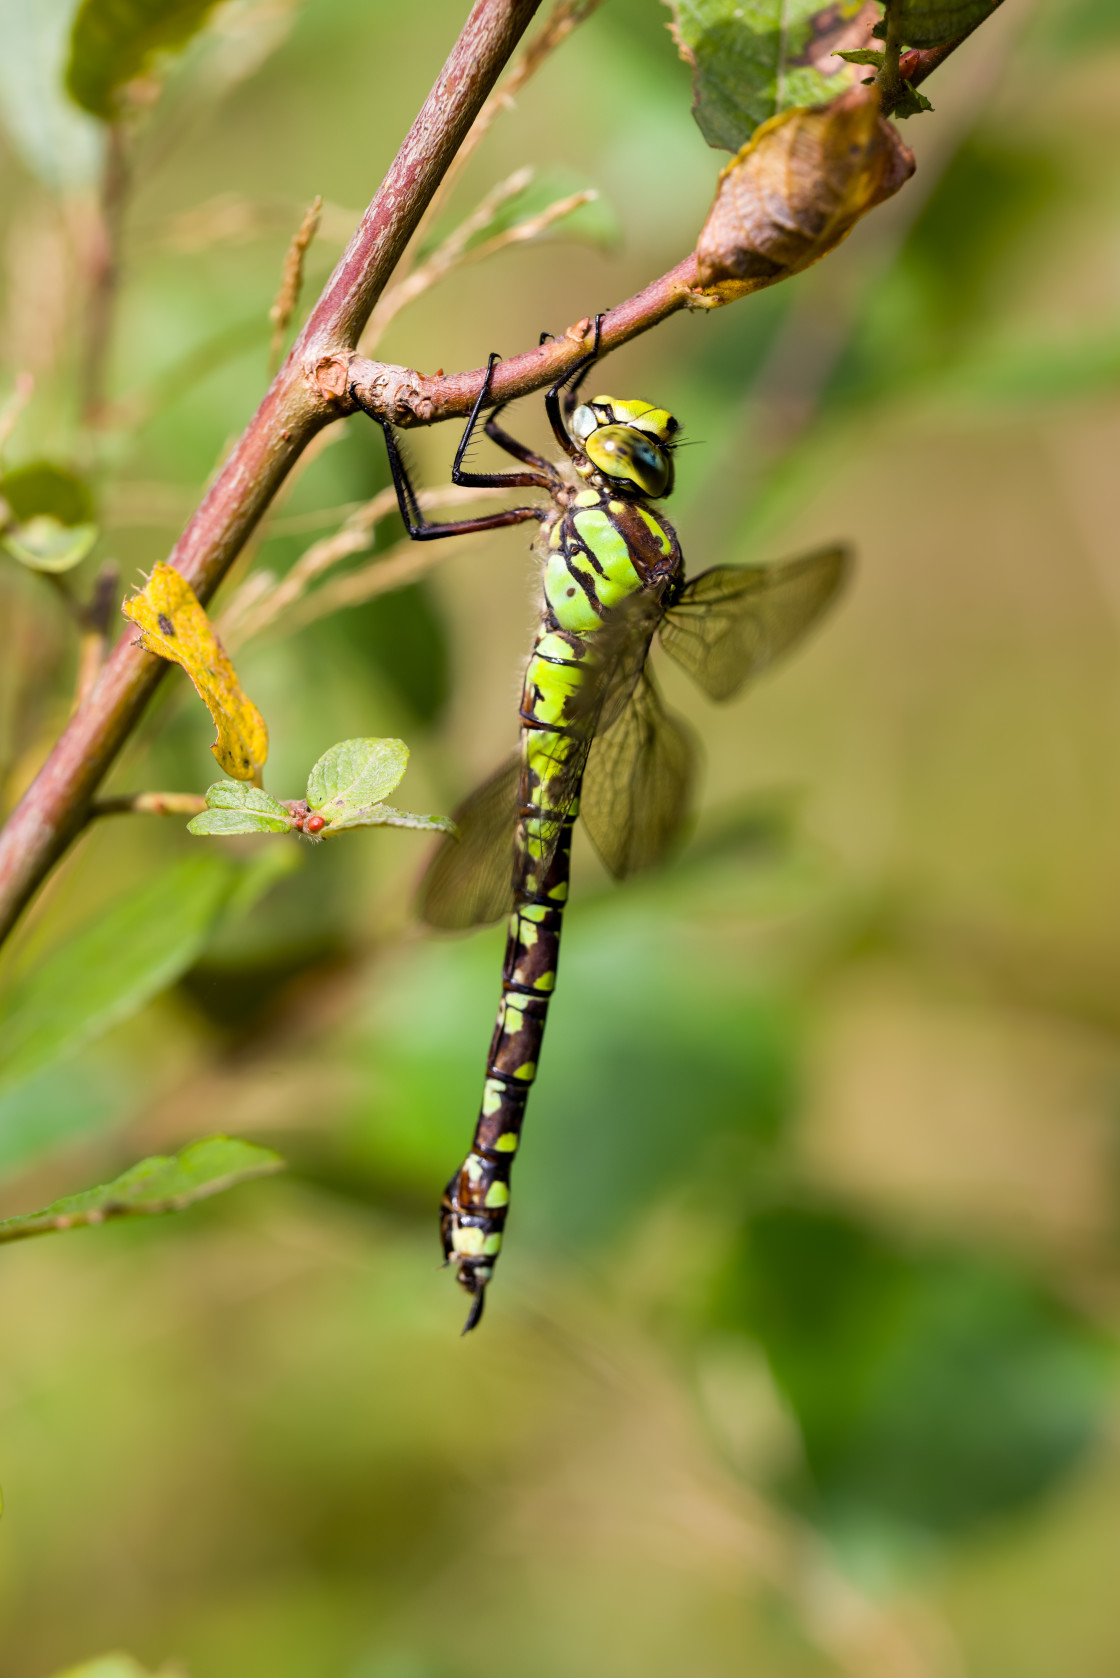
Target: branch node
(329, 378)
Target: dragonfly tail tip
(474, 1317)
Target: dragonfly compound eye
(583, 422)
(624, 452)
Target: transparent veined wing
(622, 646)
(469, 881)
(638, 783)
(730, 623)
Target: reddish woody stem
(322, 379)
(294, 408)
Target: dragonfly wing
(637, 784)
(622, 646)
(730, 623)
(469, 881)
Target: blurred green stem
(889, 80)
(104, 274)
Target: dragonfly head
(629, 442)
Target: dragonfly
(596, 740)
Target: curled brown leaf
(795, 190)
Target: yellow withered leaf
(173, 625)
(795, 190)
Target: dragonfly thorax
(629, 442)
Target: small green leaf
(115, 41)
(912, 103)
(165, 1183)
(43, 544)
(752, 59)
(227, 823)
(112, 966)
(240, 795)
(355, 774)
(383, 815)
(864, 55)
(61, 145)
(237, 807)
(927, 23)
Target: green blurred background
(801, 1357)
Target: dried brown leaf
(795, 190)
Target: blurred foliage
(151, 1188)
(933, 1389)
(803, 1357)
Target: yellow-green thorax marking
(603, 545)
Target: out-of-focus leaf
(402, 635)
(934, 1389)
(174, 626)
(115, 41)
(1080, 26)
(755, 58)
(61, 145)
(355, 773)
(165, 1183)
(1034, 369)
(113, 966)
(40, 487)
(236, 807)
(43, 544)
(624, 1064)
(796, 190)
(927, 23)
(52, 526)
(59, 1103)
(108, 1666)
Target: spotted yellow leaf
(173, 625)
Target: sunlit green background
(800, 1360)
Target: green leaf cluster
(346, 788)
(751, 59)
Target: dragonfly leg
(560, 403)
(542, 478)
(422, 529)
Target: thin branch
(150, 804)
(95, 617)
(566, 16)
(456, 251)
(104, 276)
(14, 406)
(405, 563)
(295, 407)
(321, 379)
(408, 398)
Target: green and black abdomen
(600, 553)
(476, 1201)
